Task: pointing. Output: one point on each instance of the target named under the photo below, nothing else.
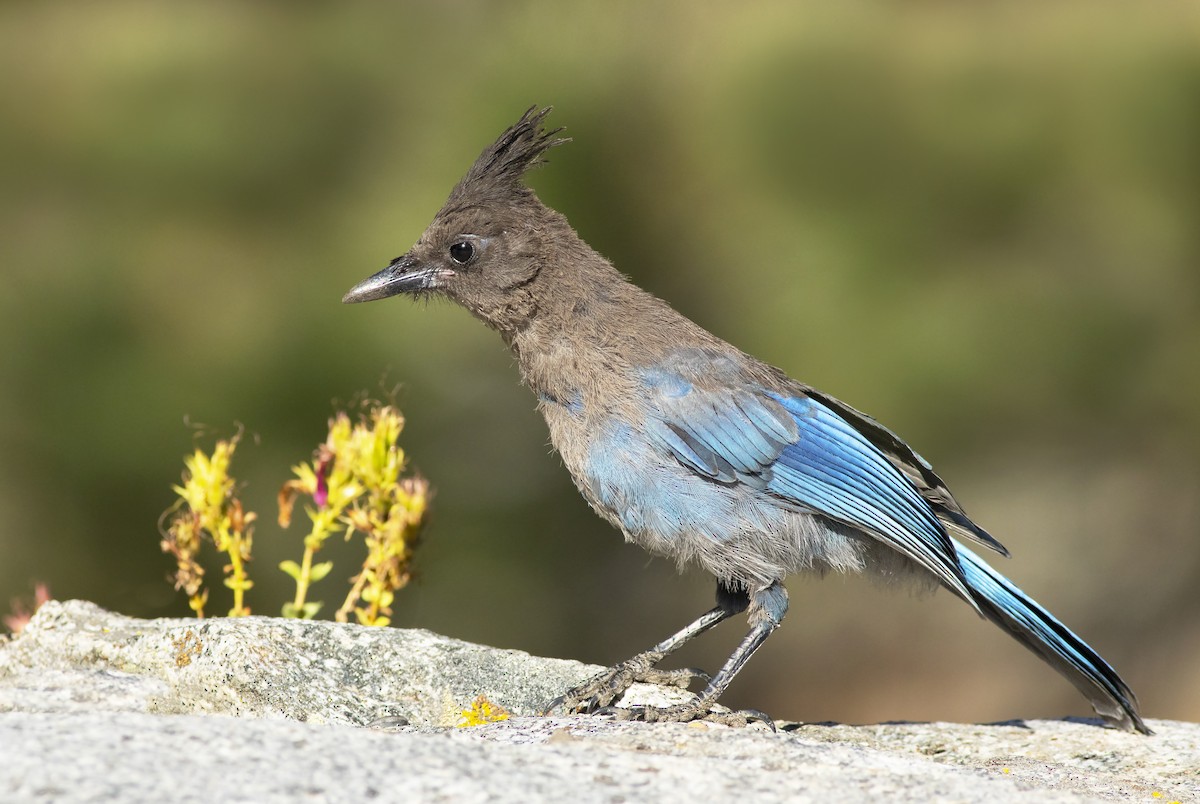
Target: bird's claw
(696, 710)
(597, 695)
(570, 703)
(681, 678)
(555, 703)
(603, 689)
(756, 716)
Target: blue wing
(800, 450)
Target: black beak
(403, 275)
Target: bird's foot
(600, 691)
(696, 710)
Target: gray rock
(96, 706)
(75, 656)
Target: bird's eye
(462, 252)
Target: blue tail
(1037, 629)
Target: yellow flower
(482, 711)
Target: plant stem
(304, 579)
(239, 576)
(343, 614)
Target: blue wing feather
(862, 461)
(802, 451)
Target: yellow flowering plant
(355, 485)
(208, 506)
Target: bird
(699, 452)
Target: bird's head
(484, 247)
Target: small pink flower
(321, 495)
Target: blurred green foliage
(978, 222)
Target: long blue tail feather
(1037, 629)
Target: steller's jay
(698, 451)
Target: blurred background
(979, 223)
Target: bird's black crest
(499, 169)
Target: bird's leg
(600, 691)
(767, 609)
